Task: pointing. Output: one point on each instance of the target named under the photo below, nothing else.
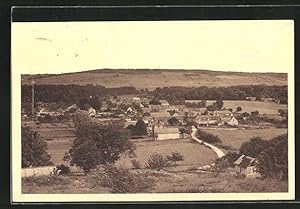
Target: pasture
(235, 138)
(195, 155)
(250, 106)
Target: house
(167, 133)
(164, 103)
(162, 116)
(208, 120)
(136, 100)
(222, 113)
(72, 108)
(231, 121)
(251, 98)
(154, 108)
(92, 112)
(245, 166)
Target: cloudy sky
(60, 47)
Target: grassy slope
(237, 137)
(160, 78)
(194, 154)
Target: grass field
(164, 182)
(235, 138)
(162, 78)
(194, 154)
(250, 106)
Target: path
(214, 148)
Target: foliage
(136, 164)
(185, 130)
(200, 104)
(254, 147)
(64, 169)
(122, 181)
(207, 137)
(99, 144)
(80, 117)
(157, 162)
(239, 109)
(154, 102)
(218, 104)
(34, 149)
(175, 157)
(140, 128)
(177, 95)
(273, 160)
(173, 121)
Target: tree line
(177, 95)
(70, 94)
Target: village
(162, 119)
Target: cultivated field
(250, 106)
(235, 138)
(161, 78)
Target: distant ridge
(153, 78)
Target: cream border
(17, 196)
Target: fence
(38, 171)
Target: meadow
(195, 155)
(235, 138)
(250, 106)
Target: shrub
(221, 164)
(122, 181)
(157, 162)
(34, 149)
(175, 157)
(207, 137)
(136, 164)
(64, 169)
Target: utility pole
(32, 100)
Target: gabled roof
(160, 114)
(244, 161)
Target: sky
(62, 47)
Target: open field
(164, 182)
(161, 78)
(250, 106)
(195, 155)
(235, 138)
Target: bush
(207, 137)
(122, 181)
(221, 164)
(136, 164)
(175, 157)
(64, 169)
(34, 149)
(157, 162)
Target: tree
(154, 102)
(253, 147)
(211, 108)
(273, 161)
(207, 137)
(238, 109)
(255, 113)
(33, 149)
(140, 128)
(98, 144)
(185, 130)
(173, 121)
(219, 104)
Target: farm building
(163, 116)
(167, 133)
(208, 120)
(245, 166)
(231, 121)
(164, 103)
(222, 113)
(136, 100)
(154, 108)
(92, 112)
(251, 98)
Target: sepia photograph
(153, 110)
